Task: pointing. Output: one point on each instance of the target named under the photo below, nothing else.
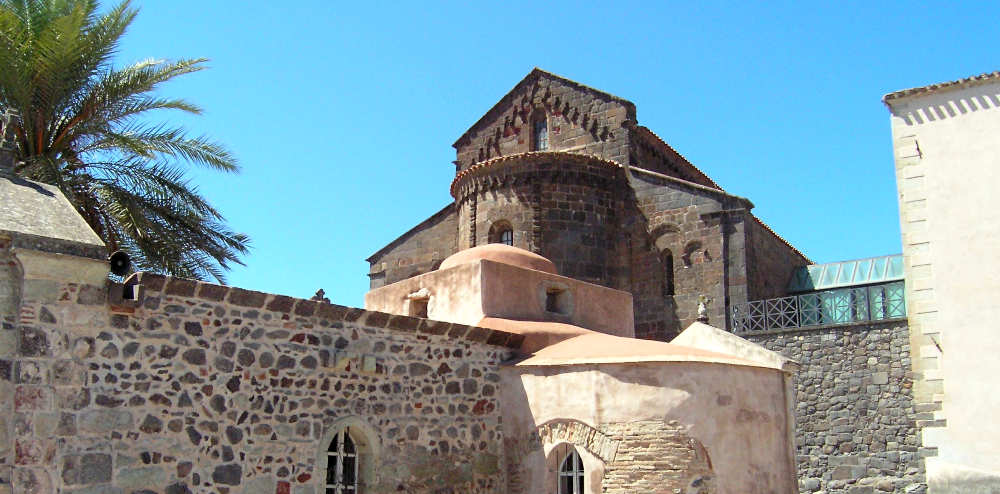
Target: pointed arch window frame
(571, 474)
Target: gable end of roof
(533, 76)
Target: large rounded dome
(501, 253)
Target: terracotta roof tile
(956, 84)
(529, 157)
(779, 237)
(655, 139)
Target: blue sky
(343, 114)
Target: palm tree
(81, 126)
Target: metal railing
(840, 306)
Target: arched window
(346, 458)
(571, 474)
(342, 464)
(668, 273)
(501, 233)
(507, 237)
(539, 134)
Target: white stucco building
(947, 151)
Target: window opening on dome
(418, 307)
(555, 300)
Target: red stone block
(32, 398)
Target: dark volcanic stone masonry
(857, 429)
(607, 201)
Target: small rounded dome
(503, 254)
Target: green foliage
(82, 127)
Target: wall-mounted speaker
(120, 263)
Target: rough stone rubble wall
(203, 388)
(857, 427)
(10, 288)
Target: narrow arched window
(507, 237)
(571, 474)
(342, 464)
(501, 233)
(668, 274)
(540, 134)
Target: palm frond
(83, 127)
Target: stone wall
(206, 388)
(580, 119)
(417, 251)
(10, 288)
(682, 221)
(649, 152)
(655, 456)
(770, 262)
(565, 207)
(627, 457)
(857, 430)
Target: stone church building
(475, 367)
(491, 374)
(591, 314)
(567, 172)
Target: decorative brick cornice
(508, 170)
(524, 85)
(154, 284)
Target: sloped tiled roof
(445, 211)
(956, 84)
(779, 237)
(654, 139)
(692, 185)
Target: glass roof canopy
(847, 273)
